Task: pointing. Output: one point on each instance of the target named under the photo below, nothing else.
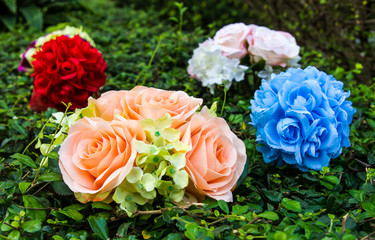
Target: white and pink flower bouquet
(135, 146)
(220, 60)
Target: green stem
(51, 143)
(36, 136)
(225, 98)
(161, 37)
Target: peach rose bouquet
(221, 60)
(135, 146)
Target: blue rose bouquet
(302, 118)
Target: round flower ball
(66, 70)
(302, 118)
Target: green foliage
(145, 46)
(35, 13)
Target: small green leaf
(23, 186)
(332, 179)
(269, 215)
(74, 214)
(34, 202)
(224, 206)
(50, 177)
(61, 188)
(14, 235)
(291, 205)
(357, 194)
(53, 155)
(24, 159)
(57, 237)
(101, 205)
(32, 226)
(99, 226)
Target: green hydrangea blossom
(159, 167)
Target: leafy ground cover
(149, 47)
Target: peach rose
(231, 40)
(275, 47)
(217, 156)
(97, 155)
(144, 103)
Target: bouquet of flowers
(302, 118)
(217, 61)
(133, 146)
(66, 67)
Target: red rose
(66, 70)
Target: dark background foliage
(343, 29)
(272, 203)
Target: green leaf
(99, 226)
(32, 226)
(239, 210)
(15, 125)
(327, 185)
(101, 205)
(291, 205)
(33, 202)
(224, 206)
(53, 155)
(357, 194)
(23, 186)
(61, 188)
(26, 160)
(348, 236)
(50, 177)
(57, 237)
(74, 214)
(269, 215)
(273, 195)
(12, 5)
(243, 174)
(77, 207)
(14, 235)
(210, 203)
(332, 179)
(33, 16)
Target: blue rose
(302, 118)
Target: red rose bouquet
(66, 69)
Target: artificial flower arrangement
(135, 146)
(66, 67)
(218, 61)
(302, 118)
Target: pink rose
(97, 155)
(143, 103)
(275, 47)
(231, 40)
(217, 156)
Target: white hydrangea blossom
(211, 67)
